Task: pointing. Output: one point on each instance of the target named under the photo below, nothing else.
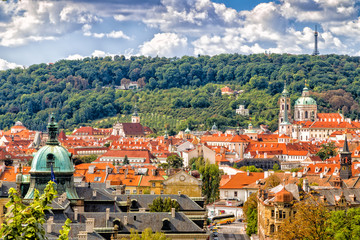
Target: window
(127, 191)
(97, 179)
(140, 191)
(50, 160)
(235, 194)
(134, 191)
(226, 193)
(272, 213)
(272, 228)
(153, 184)
(162, 192)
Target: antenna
(316, 51)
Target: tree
(210, 176)
(250, 211)
(26, 221)
(251, 168)
(164, 205)
(126, 160)
(310, 221)
(147, 234)
(327, 150)
(174, 161)
(345, 225)
(276, 167)
(272, 181)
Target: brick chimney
(172, 212)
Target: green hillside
(179, 92)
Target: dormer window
(166, 224)
(50, 160)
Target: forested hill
(187, 88)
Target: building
(183, 183)
(96, 210)
(242, 110)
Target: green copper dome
(52, 162)
(57, 156)
(305, 99)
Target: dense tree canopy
(180, 92)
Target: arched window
(306, 114)
(50, 160)
(287, 106)
(272, 228)
(298, 114)
(282, 107)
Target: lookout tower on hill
(316, 51)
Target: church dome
(57, 156)
(18, 123)
(305, 99)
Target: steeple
(52, 131)
(345, 147)
(316, 51)
(135, 118)
(284, 121)
(345, 161)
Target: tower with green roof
(52, 162)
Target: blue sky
(46, 31)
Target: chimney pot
(172, 212)
(76, 214)
(107, 214)
(125, 220)
(94, 193)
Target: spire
(316, 51)
(285, 92)
(52, 131)
(345, 147)
(135, 114)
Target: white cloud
(75, 57)
(7, 65)
(117, 34)
(165, 45)
(26, 21)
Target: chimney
(107, 216)
(125, 220)
(82, 184)
(172, 212)
(49, 224)
(94, 193)
(321, 175)
(76, 214)
(16, 169)
(90, 224)
(82, 235)
(248, 173)
(91, 169)
(306, 187)
(108, 184)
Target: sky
(33, 32)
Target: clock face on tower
(344, 168)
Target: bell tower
(135, 118)
(345, 161)
(285, 126)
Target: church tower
(345, 161)
(285, 126)
(135, 118)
